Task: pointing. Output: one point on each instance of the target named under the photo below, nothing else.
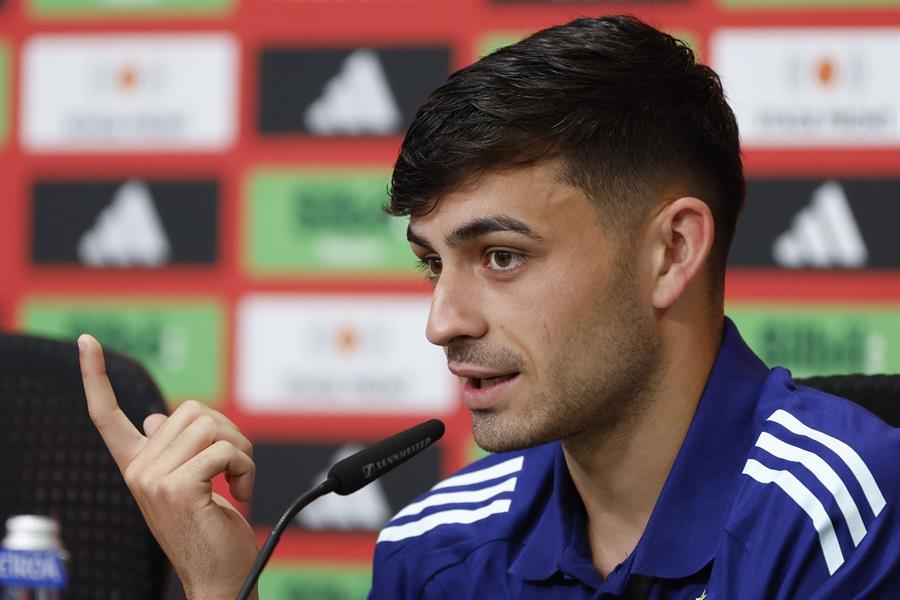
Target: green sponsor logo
(323, 221)
(315, 582)
(789, 4)
(4, 91)
(817, 340)
(180, 344)
(118, 8)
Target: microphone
(348, 476)
(367, 465)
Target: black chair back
(879, 394)
(55, 463)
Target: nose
(456, 310)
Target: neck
(619, 473)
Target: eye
(431, 265)
(504, 260)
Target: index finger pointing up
(121, 437)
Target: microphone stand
(326, 487)
(349, 475)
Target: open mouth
(486, 382)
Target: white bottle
(32, 559)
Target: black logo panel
(819, 224)
(125, 224)
(346, 92)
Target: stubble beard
(596, 389)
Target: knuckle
(191, 408)
(168, 490)
(132, 476)
(147, 483)
(205, 426)
(223, 448)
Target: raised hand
(169, 472)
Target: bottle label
(44, 569)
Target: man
(572, 199)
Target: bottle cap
(32, 532)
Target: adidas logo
(366, 509)
(824, 234)
(127, 233)
(829, 460)
(358, 100)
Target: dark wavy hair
(623, 107)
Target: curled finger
(221, 457)
(183, 417)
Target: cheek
(585, 319)
(547, 318)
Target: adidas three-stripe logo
(446, 504)
(823, 234)
(826, 475)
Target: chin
(496, 433)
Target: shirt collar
(686, 525)
(684, 529)
(546, 546)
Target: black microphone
(369, 464)
(346, 477)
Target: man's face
(539, 309)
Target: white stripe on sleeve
(825, 474)
(497, 471)
(805, 499)
(848, 455)
(507, 485)
(447, 517)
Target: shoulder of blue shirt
(766, 523)
(481, 503)
(816, 509)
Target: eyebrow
(477, 228)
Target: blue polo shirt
(778, 491)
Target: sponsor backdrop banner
(321, 354)
(323, 220)
(135, 93)
(823, 340)
(354, 91)
(812, 87)
(793, 4)
(819, 224)
(315, 581)
(178, 340)
(125, 224)
(87, 9)
(199, 184)
(4, 91)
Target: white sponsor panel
(111, 93)
(802, 87)
(340, 354)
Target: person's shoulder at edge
(818, 504)
(489, 500)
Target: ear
(681, 236)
